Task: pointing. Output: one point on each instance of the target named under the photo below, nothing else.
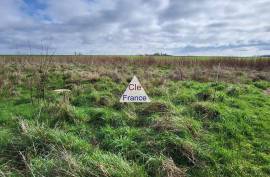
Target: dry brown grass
(120, 68)
(171, 170)
(267, 91)
(255, 63)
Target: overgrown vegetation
(208, 117)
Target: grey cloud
(133, 27)
(239, 47)
(182, 9)
(217, 25)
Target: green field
(205, 119)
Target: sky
(131, 27)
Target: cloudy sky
(179, 27)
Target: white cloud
(233, 27)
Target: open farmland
(207, 116)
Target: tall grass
(208, 62)
(207, 116)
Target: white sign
(134, 92)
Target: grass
(197, 124)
